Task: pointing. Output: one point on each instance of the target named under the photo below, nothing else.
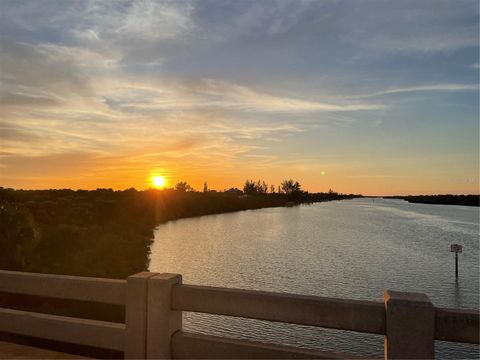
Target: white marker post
(456, 249)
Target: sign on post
(456, 248)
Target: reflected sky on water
(347, 249)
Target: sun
(159, 181)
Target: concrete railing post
(410, 326)
(162, 321)
(136, 315)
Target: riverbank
(67, 231)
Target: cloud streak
(424, 88)
(221, 95)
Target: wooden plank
(362, 316)
(94, 333)
(199, 346)
(100, 290)
(457, 325)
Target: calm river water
(347, 249)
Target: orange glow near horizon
(223, 175)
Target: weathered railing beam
(109, 291)
(101, 334)
(362, 316)
(457, 325)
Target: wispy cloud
(224, 96)
(423, 88)
(243, 98)
(143, 19)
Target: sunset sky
(372, 97)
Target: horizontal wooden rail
(94, 333)
(109, 291)
(362, 316)
(457, 325)
(198, 346)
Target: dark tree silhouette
(249, 187)
(262, 187)
(255, 187)
(183, 186)
(291, 187)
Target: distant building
(234, 191)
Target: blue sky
(378, 97)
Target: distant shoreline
(462, 200)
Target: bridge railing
(153, 320)
(94, 333)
